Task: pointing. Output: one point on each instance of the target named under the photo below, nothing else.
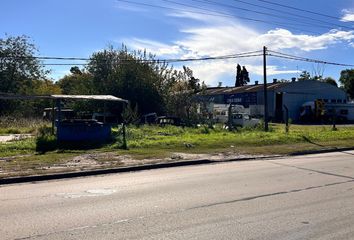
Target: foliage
(22, 73)
(26, 146)
(135, 76)
(18, 125)
(77, 82)
(304, 76)
(206, 139)
(182, 102)
(347, 81)
(331, 81)
(130, 115)
(242, 76)
(45, 140)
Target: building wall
(271, 101)
(297, 93)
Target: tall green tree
(347, 81)
(77, 82)
(18, 66)
(182, 101)
(135, 76)
(20, 72)
(242, 76)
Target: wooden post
(124, 138)
(286, 119)
(334, 116)
(59, 110)
(53, 116)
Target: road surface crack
(270, 195)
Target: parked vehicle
(239, 115)
(149, 118)
(164, 120)
(244, 120)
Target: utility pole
(265, 89)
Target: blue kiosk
(75, 130)
(83, 129)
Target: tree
(242, 76)
(182, 101)
(304, 76)
(75, 70)
(135, 76)
(330, 80)
(18, 66)
(347, 81)
(77, 82)
(20, 72)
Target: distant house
(292, 94)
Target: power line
(293, 14)
(46, 58)
(165, 60)
(285, 25)
(299, 9)
(88, 59)
(63, 64)
(232, 15)
(304, 59)
(261, 13)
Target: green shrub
(45, 140)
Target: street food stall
(74, 130)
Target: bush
(45, 140)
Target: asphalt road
(307, 197)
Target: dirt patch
(11, 158)
(106, 160)
(214, 157)
(14, 137)
(92, 160)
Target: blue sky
(77, 28)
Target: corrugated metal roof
(90, 97)
(242, 89)
(73, 97)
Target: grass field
(148, 141)
(160, 142)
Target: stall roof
(90, 97)
(73, 97)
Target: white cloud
(283, 39)
(158, 48)
(217, 36)
(348, 16)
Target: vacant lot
(158, 144)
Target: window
(339, 100)
(325, 100)
(333, 101)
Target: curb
(57, 176)
(328, 150)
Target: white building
(290, 94)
